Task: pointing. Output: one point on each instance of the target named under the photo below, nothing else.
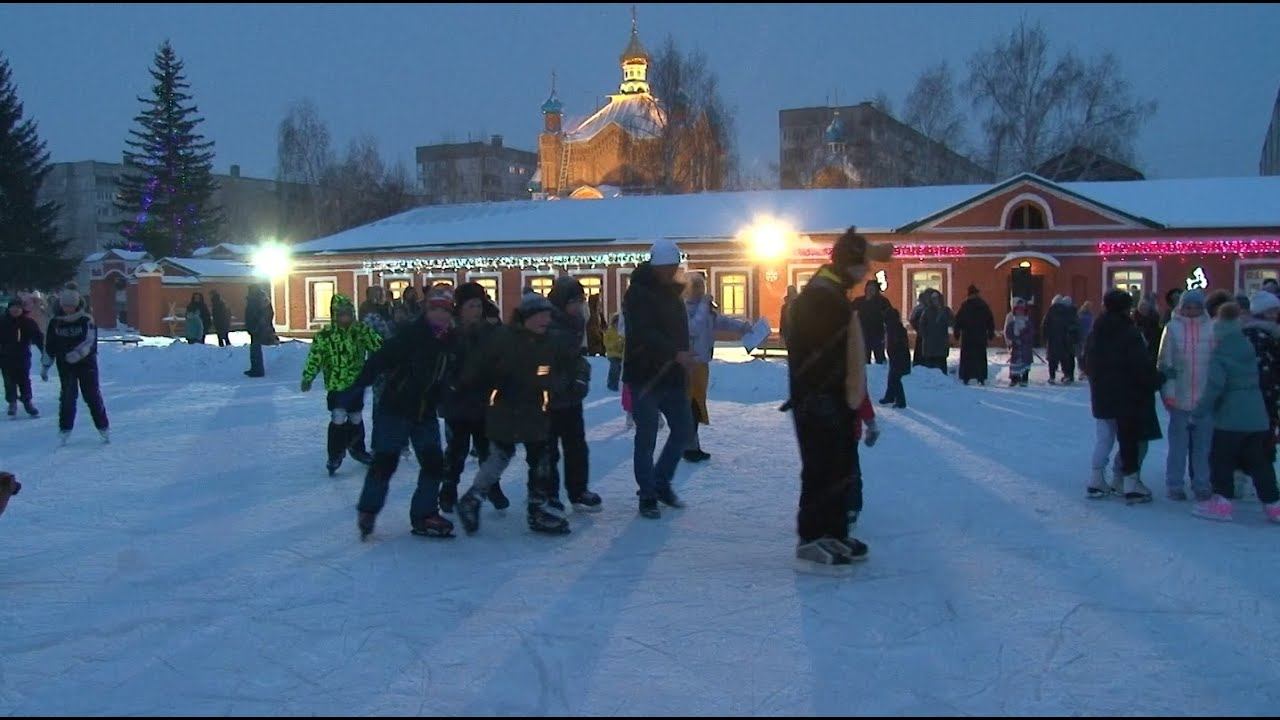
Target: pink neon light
(1160, 248)
(907, 251)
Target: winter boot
(668, 497)
(587, 502)
(1098, 488)
(433, 526)
(544, 522)
(30, 408)
(469, 511)
(364, 521)
(1215, 508)
(852, 548)
(498, 498)
(822, 557)
(555, 507)
(355, 445)
(448, 496)
(336, 446)
(1135, 492)
(649, 509)
(13, 409)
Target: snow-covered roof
(639, 115)
(1194, 203)
(232, 248)
(212, 268)
(127, 255)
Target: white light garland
(508, 262)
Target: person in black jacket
(784, 323)
(71, 342)
(221, 315)
(568, 428)
(1122, 386)
(464, 406)
(416, 361)
(975, 326)
(656, 369)
(871, 309)
(899, 359)
(18, 333)
(1061, 335)
(259, 320)
(827, 375)
(526, 368)
(198, 306)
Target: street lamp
(768, 239)
(271, 260)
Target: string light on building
(912, 251)
(508, 262)
(1173, 248)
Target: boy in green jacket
(339, 351)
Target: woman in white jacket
(1185, 349)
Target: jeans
(1250, 449)
(17, 378)
(853, 498)
(500, 455)
(828, 457)
(568, 430)
(894, 392)
(255, 356)
(672, 402)
(615, 373)
(391, 433)
(1191, 443)
(80, 379)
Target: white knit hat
(664, 252)
(1261, 302)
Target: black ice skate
(448, 496)
(649, 509)
(469, 511)
(587, 502)
(364, 521)
(545, 522)
(668, 497)
(433, 526)
(498, 498)
(31, 409)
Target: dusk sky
(413, 75)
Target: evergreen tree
(31, 255)
(167, 184)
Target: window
(926, 279)
(1254, 277)
(592, 284)
(802, 278)
(319, 294)
(732, 293)
(490, 285)
(1133, 282)
(396, 288)
(541, 284)
(1027, 216)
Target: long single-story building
(1025, 237)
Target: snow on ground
(204, 563)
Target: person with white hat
(657, 371)
(71, 342)
(1264, 333)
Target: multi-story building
(1270, 162)
(862, 146)
(474, 172)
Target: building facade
(474, 172)
(1269, 164)
(861, 146)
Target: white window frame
(1019, 200)
(1111, 265)
(795, 269)
(497, 279)
(385, 279)
(312, 320)
(527, 276)
(430, 279)
(603, 276)
(908, 300)
(1243, 264)
(622, 293)
(713, 277)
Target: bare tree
(1035, 106)
(303, 156)
(882, 102)
(931, 109)
(697, 150)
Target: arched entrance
(1028, 273)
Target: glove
(44, 374)
(306, 386)
(871, 434)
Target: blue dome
(835, 131)
(552, 105)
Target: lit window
(321, 293)
(1254, 277)
(926, 279)
(802, 278)
(1027, 216)
(1131, 281)
(591, 284)
(541, 284)
(396, 288)
(490, 285)
(732, 293)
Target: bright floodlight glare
(271, 260)
(768, 239)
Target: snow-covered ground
(203, 563)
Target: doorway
(1022, 284)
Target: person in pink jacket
(1185, 350)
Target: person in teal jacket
(1240, 424)
(340, 351)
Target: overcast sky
(413, 75)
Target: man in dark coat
(463, 406)
(657, 364)
(259, 321)
(975, 327)
(1061, 335)
(221, 319)
(871, 309)
(568, 427)
(1122, 387)
(18, 334)
(827, 382)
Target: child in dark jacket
(899, 359)
(18, 334)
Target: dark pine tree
(31, 255)
(167, 184)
